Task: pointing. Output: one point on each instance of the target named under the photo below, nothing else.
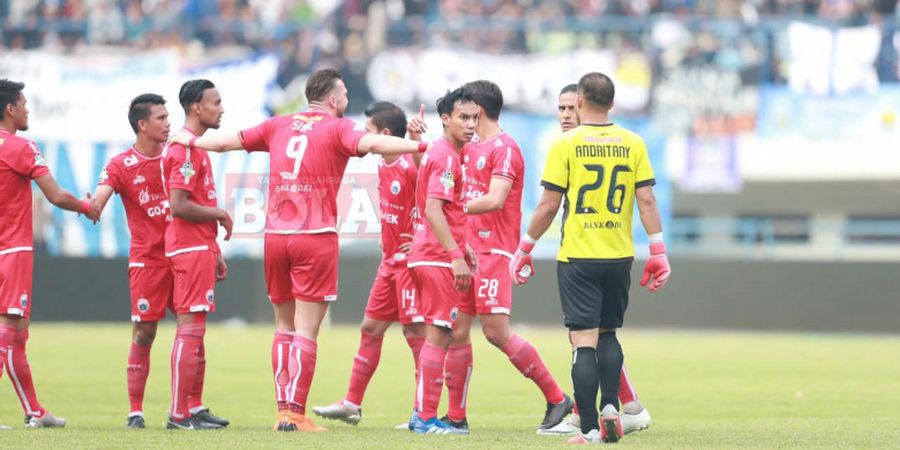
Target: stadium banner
(825, 60)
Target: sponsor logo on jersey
(187, 171)
(395, 187)
(139, 179)
(210, 296)
(143, 305)
(144, 196)
(130, 160)
(211, 195)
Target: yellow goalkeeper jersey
(597, 168)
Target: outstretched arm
(62, 198)
(218, 142)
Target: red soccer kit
(20, 162)
(439, 177)
(393, 294)
(138, 181)
(191, 246)
(495, 235)
(308, 153)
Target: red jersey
(308, 153)
(189, 170)
(396, 189)
(20, 162)
(498, 157)
(440, 177)
(138, 181)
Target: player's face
(19, 113)
(371, 128)
(156, 126)
(338, 98)
(210, 109)
(568, 119)
(460, 124)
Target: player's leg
(151, 296)
(634, 416)
(278, 286)
(616, 280)
(142, 336)
(458, 369)
(7, 335)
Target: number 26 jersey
(597, 168)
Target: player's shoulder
(15, 142)
(627, 133)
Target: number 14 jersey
(308, 153)
(597, 168)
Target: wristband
(192, 141)
(456, 253)
(526, 245)
(655, 238)
(85, 207)
(423, 146)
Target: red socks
(457, 373)
(301, 368)
(431, 380)
(281, 357)
(195, 398)
(415, 344)
(20, 373)
(138, 369)
(526, 359)
(7, 335)
(626, 392)
(364, 365)
(185, 361)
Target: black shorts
(593, 295)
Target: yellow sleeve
(556, 171)
(643, 173)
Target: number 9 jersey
(597, 168)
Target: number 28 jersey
(597, 168)
(308, 153)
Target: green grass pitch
(703, 389)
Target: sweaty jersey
(598, 168)
(439, 177)
(396, 192)
(308, 153)
(138, 181)
(20, 162)
(497, 157)
(189, 169)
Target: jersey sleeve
(29, 161)
(506, 162)
(441, 177)
(556, 171)
(347, 136)
(256, 139)
(643, 171)
(111, 176)
(182, 170)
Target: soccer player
(308, 153)
(193, 253)
(439, 265)
(20, 163)
(393, 294)
(493, 173)
(634, 416)
(135, 174)
(600, 169)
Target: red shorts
(151, 292)
(393, 296)
(15, 283)
(194, 275)
(438, 299)
(302, 267)
(491, 291)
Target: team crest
(144, 196)
(39, 159)
(395, 187)
(24, 300)
(481, 162)
(187, 171)
(453, 313)
(143, 305)
(210, 296)
(447, 181)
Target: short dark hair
(446, 103)
(192, 92)
(9, 94)
(487, 95)
(569, 88)
(320, 83)
(140, 108)
(387, 115)
(597, 89)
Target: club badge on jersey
(187, 171)
(447, 181)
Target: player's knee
(373, 328)
(413, 331)
(496, 335)
(143, 335)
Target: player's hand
(94, 214)
(656, 268)
(181, 137)
(416, 126)
(406, 245)
(522, 266)
(226, 222)
(472, 258)
(462, 276)
(221, 267)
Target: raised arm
(389, 145)
(217, 142)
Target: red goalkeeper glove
(657, 266)
(521, 267)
